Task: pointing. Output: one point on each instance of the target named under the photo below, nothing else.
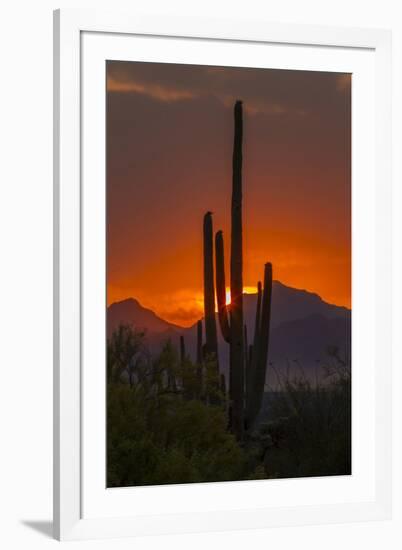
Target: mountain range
(303, 327)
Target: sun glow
(249, 290)
(246, 290)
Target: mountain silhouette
(290, 304)
(131, 312)
(303, 327)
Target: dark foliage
(309, 428)
(158, 431)
(166, 424)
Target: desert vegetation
(172, 418)
(168, 420)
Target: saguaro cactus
(221, 287)
(236, 281)
(199, 357)
(258, 367)
(247, 363)
(182, 350)
(246, 349)
(254, 352)
(199, 343)
(232, 327)
(211, 339)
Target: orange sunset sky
(169, 154)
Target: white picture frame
(83, 508)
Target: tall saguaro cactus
(211, 339)
(236, 281)
(246, 385)
(232, 325)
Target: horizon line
(128, 298)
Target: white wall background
(26, 271)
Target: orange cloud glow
(154, 91)
(169, 147)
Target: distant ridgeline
(304, 329)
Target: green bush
(167, 439)
(167, 425)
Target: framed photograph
(222, 275)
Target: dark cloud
(269, 92)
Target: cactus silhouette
(199, 342)
(247, 363)
(253, 354)
(182, 349)
(246, 349)
(222, 384)
(236, 382)
(199, 357)
(211, 338)
(232, 325)
(258, 365)
(221, 287)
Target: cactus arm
(211, 338)
(257, 316)
(221, 286)
(261, 355)
(265, 323)
(253, 354)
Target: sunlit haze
(169, 155)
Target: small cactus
(182, 350)
(199, 359)
(199, 343)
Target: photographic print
(228, 273)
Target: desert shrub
(167, 439)
(167, 421)
(158, 432)
(310, 427)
